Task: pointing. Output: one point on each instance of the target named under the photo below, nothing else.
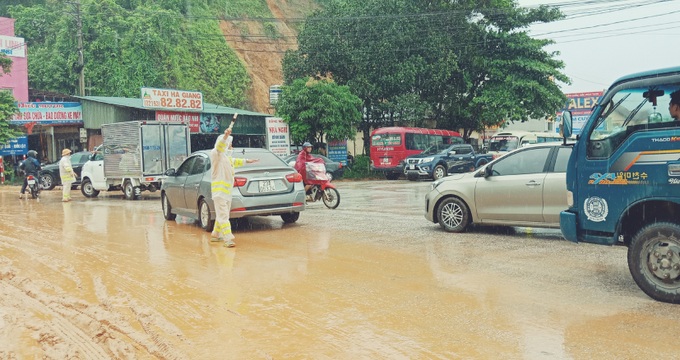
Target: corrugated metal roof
(137, 104)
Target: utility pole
(81, 61)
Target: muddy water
(109, 278)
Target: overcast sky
(602, 40)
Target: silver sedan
(266, 187)
(526, 187)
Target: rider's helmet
(33, 154)
(306, 144)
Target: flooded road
(109, 278)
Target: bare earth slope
(262, 55)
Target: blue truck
(623, 178)
(438, 161)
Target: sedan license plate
(30, 182)
(411, 166)
(266, 186)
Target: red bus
(391, 145)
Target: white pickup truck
(134, 156)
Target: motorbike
(322, 188)
(33, 186)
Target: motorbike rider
(301, 163)
(30, 166)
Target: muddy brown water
(109, 278)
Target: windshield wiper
(633, 113)
(604, 116)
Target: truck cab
(623, 178)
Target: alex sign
(49, 113)
(278, 136)
(580, 105)
(168, 99)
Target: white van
(504, 141)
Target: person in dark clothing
(674, 106)
(30, 166)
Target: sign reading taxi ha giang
(169, 99)
(278, 136)
(581, 105)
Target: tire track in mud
(61, 324)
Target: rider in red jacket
(301, 163)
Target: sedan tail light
(240, 181)
(294, 177)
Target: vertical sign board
(580, 105)
(274, 94)
(337, 151)
(278, 136)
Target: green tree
(5, 63)
(8, 108)
(463, 64)
(318, 108)
(129, 44)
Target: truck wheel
(204, 220)
(453, 215)
(167, 208)
(87, 189)
(654, 261)
(131, 192)
(438, 172)
(47, 181)
(290, 217)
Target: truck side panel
(122, 150)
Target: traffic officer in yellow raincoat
(222, 182)
(67, 175)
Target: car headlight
(426, 160)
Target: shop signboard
(12, 46)
(580, 105)
(49, 113)
(193, 120)
(173, 100)
(16, 146)
(278, 136)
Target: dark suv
(49, 175)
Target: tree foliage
(129, 44)
(318, 109)
(463, 64)
(8, 108)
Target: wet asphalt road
(109, 278)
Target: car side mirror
(567, 126)
(170, 172)
(488, 171)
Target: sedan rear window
(265, 158)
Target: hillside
(262, 55)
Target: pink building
(14, 47)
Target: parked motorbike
(322, 188)
(33, 186)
